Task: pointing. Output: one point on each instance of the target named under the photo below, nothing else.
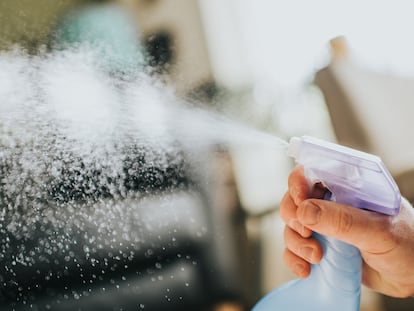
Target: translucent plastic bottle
(354, 178)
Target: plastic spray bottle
(354, 178)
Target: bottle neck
(341, 265)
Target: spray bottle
(354, 178)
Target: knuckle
(291, 240)
(288, 237)
(345, 222)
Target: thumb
(363, 229)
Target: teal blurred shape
(109, 31)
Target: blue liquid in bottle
(334, 283)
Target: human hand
(386, 242)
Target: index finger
(298, 185)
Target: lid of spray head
(353, 177)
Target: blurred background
(341, 71)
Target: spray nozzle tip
(294, 147)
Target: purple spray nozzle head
(353, 177)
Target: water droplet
(149, 252)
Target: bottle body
(334, 283)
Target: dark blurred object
(160, 50)
(397, 304)
(171, 241)
(175, 40)
(141, 229)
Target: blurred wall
(27, 22)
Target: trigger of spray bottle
(354, 178)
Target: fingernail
(310, 213)
(307, 253)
